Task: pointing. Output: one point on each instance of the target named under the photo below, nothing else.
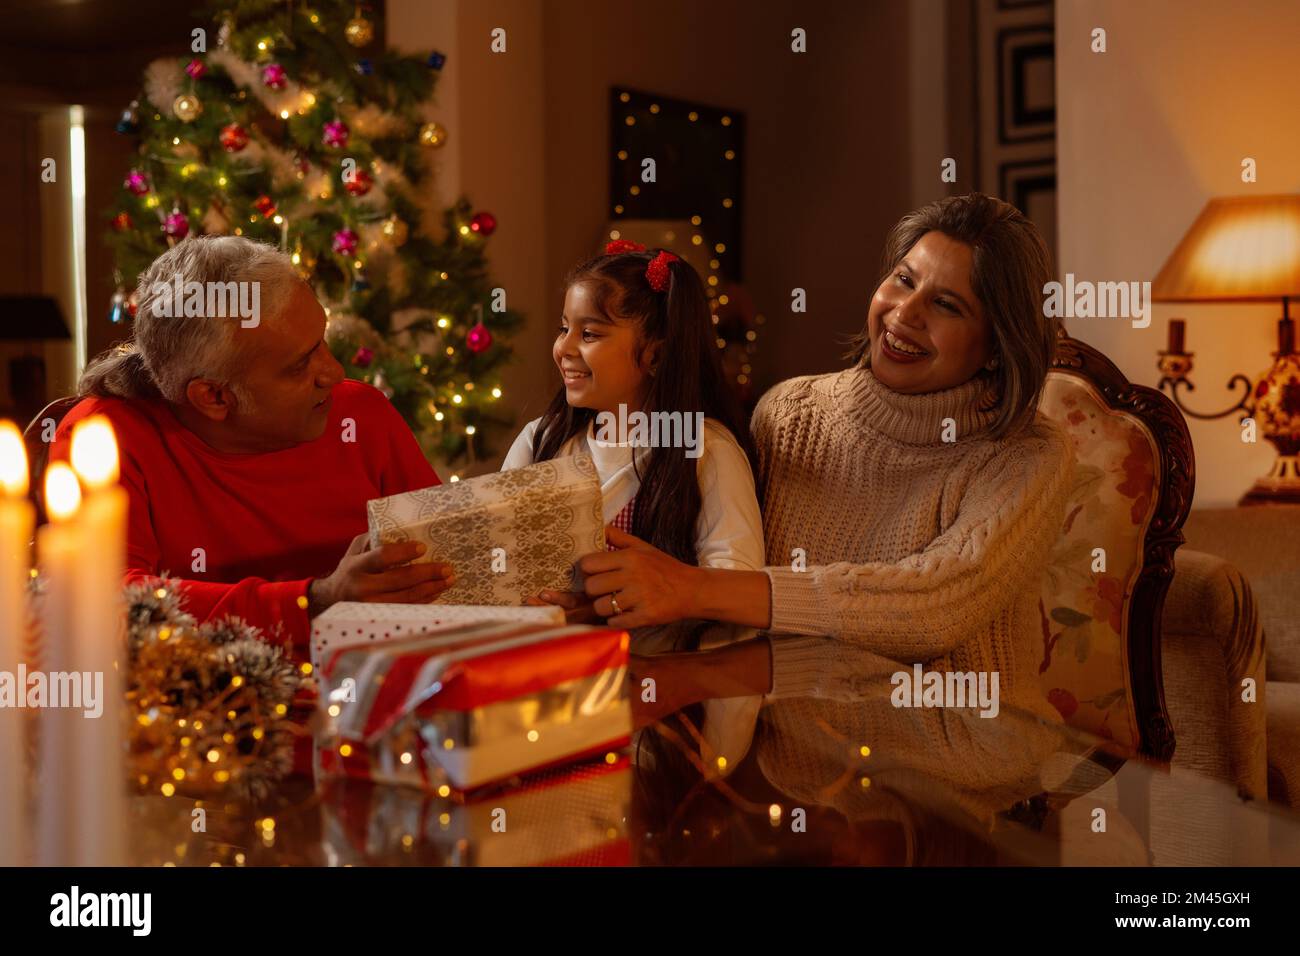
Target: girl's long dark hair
(687, 379)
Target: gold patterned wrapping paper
(508, 535)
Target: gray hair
(167, 352)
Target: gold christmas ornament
(359, 31)
(432, 134)
(395, 230)
(187, 107)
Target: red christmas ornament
(234, 137)
(478, 339)
(121, 222)
(484, 223)
(265, 205)
(196, 68)
(359, 183)
(132, 305)
(363, 357)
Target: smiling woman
(908, 506)
(936, 336)
(945, 264)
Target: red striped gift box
(469, 706)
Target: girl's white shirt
(728, 534)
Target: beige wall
(827, 153)
(491, 105)
(1147, 132)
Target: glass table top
(654, 803)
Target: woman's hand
(638, 584)
(662, 684)
(577, 606)
(665, 683)
(651, 587)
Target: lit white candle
(99, 646)
(56, 550)
(17, 523)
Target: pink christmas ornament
(478, 339)
(363, 357)
(137, 182)
(273, 75)
(196, 68)
(335, 134)
(176, 225)
(345, 242)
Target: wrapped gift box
(508, 534)
(474, 704)
(574, 816)
(355, 622)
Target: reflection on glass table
(659, 803)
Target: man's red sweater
(267, 523)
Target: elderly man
(247, 457)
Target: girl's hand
(638, 584)
(577, 606)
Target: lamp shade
(1239, 249)
(28, 318)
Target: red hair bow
(622, 245)
(656, 273)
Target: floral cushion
(1086, 597)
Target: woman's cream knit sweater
(890, 545)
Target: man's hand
(649, 586)
(384, 575)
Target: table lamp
(1243, 249)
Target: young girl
(636, 332)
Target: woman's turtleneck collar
(919, 419)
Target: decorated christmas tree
(285, 128)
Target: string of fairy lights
(735, 331)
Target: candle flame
(94, 452)
(13, 461)
(62, 492)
